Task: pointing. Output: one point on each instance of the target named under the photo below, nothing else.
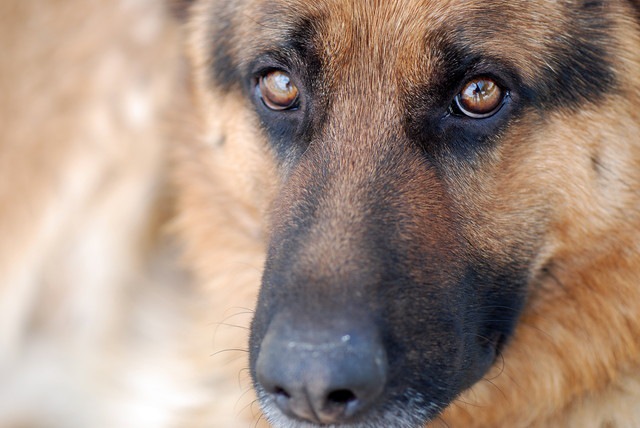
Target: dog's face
(429, 157)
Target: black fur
(441, 132)
(444, 309)
(291, 131)
(578, 72)
(580, 65)
(636, 5)
(225, 72)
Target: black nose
(324, 374)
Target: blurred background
(88, 300)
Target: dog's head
(430, 162)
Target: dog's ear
(180, 8)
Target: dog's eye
(480, 98)
(277, 91)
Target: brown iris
(480, 98)
(277, 90)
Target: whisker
(260, 417)
(229, 350)
(246, 406)
(245, 369)
(224, 324)
(443, 422)
(502, 366)
(244, 311)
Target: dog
(448, 197)
(373, 213)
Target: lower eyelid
(461, 111)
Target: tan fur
(575, 381)
(99, 325)
(585, 354)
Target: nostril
(341, 397)
(281, 392)
(340, 404)
(326, 378)
(282, 398)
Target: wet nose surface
(322, 374)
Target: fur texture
(148, 197)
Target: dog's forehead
(560, 52)
(413, 32)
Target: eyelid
(270, 61)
